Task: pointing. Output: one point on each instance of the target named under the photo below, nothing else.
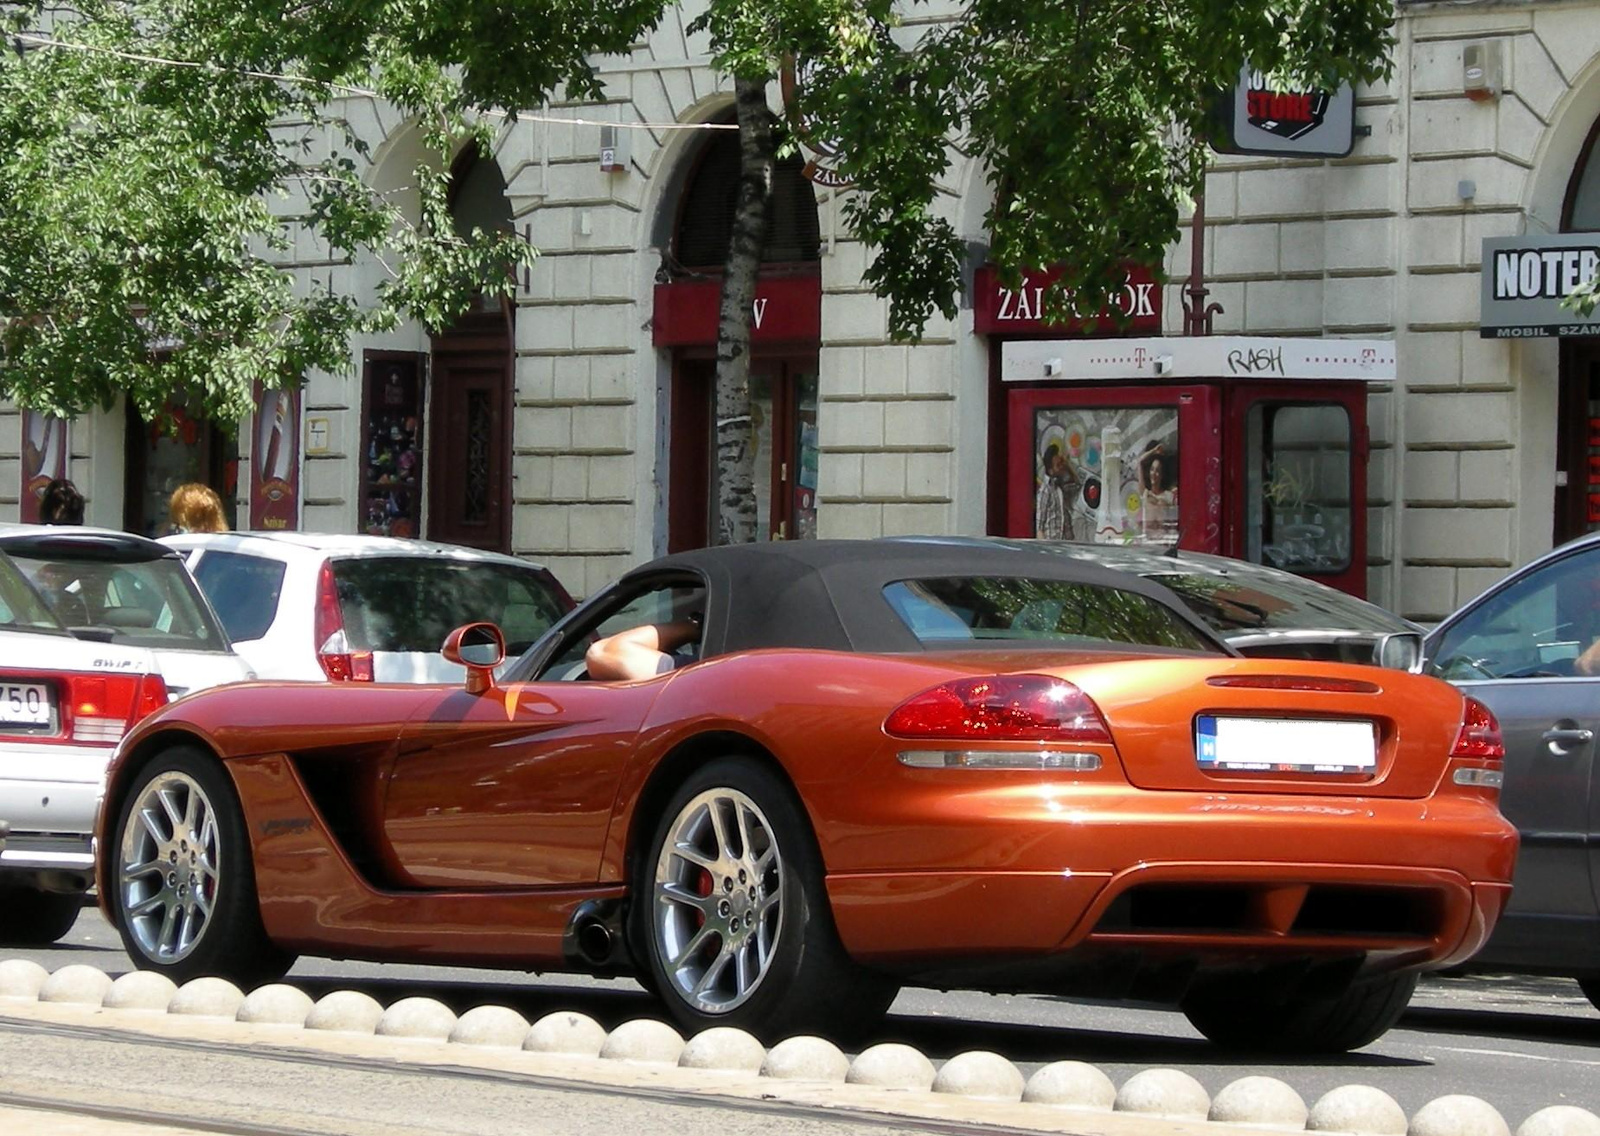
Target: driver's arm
(638, 652)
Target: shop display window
(1298, 499)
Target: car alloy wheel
(718, 900)
(167, 867)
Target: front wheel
(185, 896)
(33, 918)
(730, 907)
(1239, 1015)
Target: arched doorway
(1577, 507)
(784, 346)
(469, 428)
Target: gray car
(1524, 649)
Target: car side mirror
(480, 647)
(1401, 651)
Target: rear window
(1252, 602)
(148, 603)
(1010, 609)
(242, 589)
(22, 608)
(409, 603)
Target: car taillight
(1478, 741)
(339, 662)
(1025, 707)
(99, 709)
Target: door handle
(1569, 737)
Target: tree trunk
(736, 457)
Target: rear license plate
(24, 704)
(1285, 745)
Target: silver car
(1527, 649)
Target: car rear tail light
(339, 662)
(1026, 707)
(1296, 683)
(99, 709)
(1479, 737)
(1478, 741)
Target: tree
(137, 193)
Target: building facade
(573, 423)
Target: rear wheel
(184, 885)
(733, 917)
(1237, 1014)
(1591, 989)
(33, 918)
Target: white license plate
(24, 704)
(1286, 745)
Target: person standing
(196, 508)
(61, 503)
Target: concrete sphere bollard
(1264, 1101)
(565, 1031)
(1560, 1120)
(644, 1041)
(207, 998)
(806, 1058)
(141, 990)
(1071, 1084)
(421, 1019)
(76, 985)
(1360, 1109)
(1458, 1115)
(22, 979)
(981, 1074)
(1170, 1093)
(490, 1026)
(345, 1011)
(724, 1048)
(276, 1004)
(890, 1065)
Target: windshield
(412, 603)
(995, 608)
(144, 603)
(22, 608)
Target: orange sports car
(878, 763)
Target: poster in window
(392, 470)
(275, 461)
(44, 458)
(1108, 475)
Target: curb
(976, 1086)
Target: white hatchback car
(351, 608)
(64, 704)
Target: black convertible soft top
(828, 594)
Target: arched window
(705, 220)
(478, 194)
(1582, 212)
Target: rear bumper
(48, 796)
(1212, 881)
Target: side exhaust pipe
(594, 939)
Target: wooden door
(470, 449)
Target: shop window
(182, 447)
(392, 436)
(1107, 474)
(1297, 498)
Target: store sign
(1198, 357)
(1261, 115)
(275, 462)
(998, 310)
(1525, 280)
(787, 309)
(821, 154)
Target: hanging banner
(45, 458)
(275, 462)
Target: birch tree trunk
(736, 499)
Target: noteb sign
(1525, 280)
